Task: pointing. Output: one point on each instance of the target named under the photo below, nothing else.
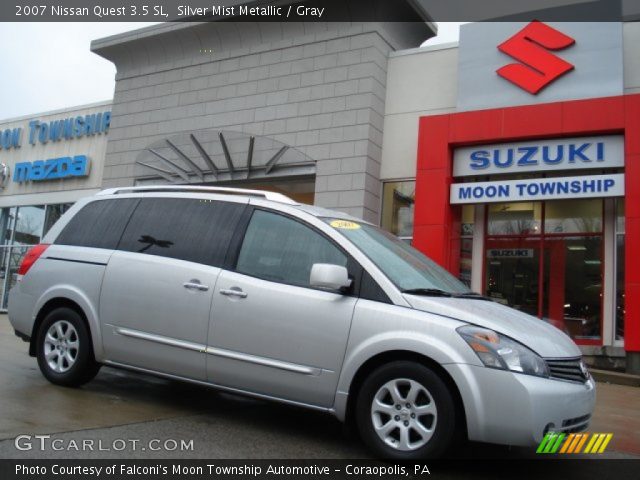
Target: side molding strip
(196, 347)
(267, 362)
(219, 352)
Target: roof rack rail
(273, 196)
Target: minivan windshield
(410, 270)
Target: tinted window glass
(370, 290)
(187, 229)
(98, 224)
(283, 250)
(54, 212)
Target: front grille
(570, 369)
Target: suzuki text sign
(540, 155)
(591, 186)
(521, 63)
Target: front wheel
(64, 349)
(406, 412)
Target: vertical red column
(557, 265)
(632, 224)
(436, 222)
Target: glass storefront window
(12, 260)
(7, 216)
(468, 220)
(514, 218)
(398, 199)
(620, 233)
(467, 224)
(54, 212)
(29, 225)
(21, 227)
(513, 273)
(573, 216)
(620, 223)
(573, 285)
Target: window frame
(233, 253)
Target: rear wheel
(64, 349)
(406, 412)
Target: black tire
(435, 390)
(84, 368)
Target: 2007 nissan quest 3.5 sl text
(250, 292)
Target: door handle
(195, 285)
(233, 292)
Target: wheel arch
(49, 306)
(402, 355)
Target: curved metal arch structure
(212, 156)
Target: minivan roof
(274, 197)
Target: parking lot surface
(127, 415)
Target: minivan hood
(540, 336)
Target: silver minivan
(250, 292)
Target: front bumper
(514, 409)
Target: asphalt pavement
(128, 415)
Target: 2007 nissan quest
(250, 292)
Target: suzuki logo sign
(539, 67)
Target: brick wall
(319, 89)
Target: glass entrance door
(546, 259)
(513, 273)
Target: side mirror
(329, 277)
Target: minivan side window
(280, 249)
(182, 228)
(98, 224)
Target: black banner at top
(317, 10)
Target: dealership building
(512, 158)
(47, 162)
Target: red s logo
(539, 67)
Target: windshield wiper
(429, 292)
(436, 292)
(473, 296)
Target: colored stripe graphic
(582, 440)
(554, 442)
(570, 440)
(544, 442)
(556, 445)
(606, 442)
(593, 439)
(551, 443)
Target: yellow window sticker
(344, 225)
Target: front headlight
(498, 351)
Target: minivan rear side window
(186, 229)
(98, 224)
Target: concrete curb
(616, 378)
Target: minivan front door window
(283, 250)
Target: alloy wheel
(61, 345)
(404, 414)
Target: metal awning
(211, 156)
